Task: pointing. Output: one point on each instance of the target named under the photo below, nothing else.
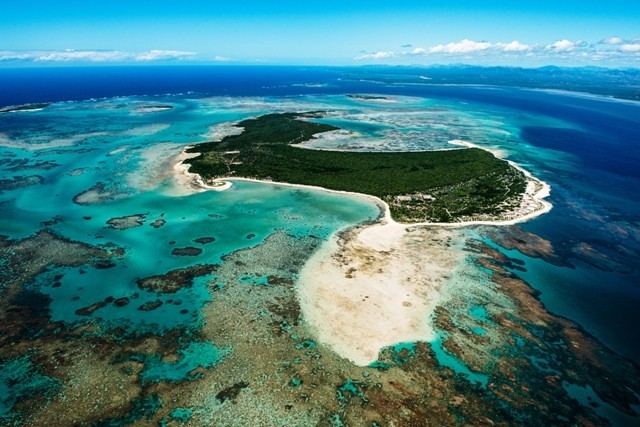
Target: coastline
(537, 190)
(193, 181)
(533, 198)
(375, 285)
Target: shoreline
(536, 191)
(193, 181)
(373, 285)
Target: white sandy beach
(187, 182)
(374, 286)
(533, 203)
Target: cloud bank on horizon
(71, 55)
(613, 49)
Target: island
(153, 108)
(368, 97)
(27, 107)
(457, 185)
(383, 275)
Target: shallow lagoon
(74, 146)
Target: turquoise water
(238, 218)
(586, 396)
(19, 378)
(183, 415)
(131, 153)
(126, 157)
(197, 354)
(111, 142)
(450, 361)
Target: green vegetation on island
(438, 186)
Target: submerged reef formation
(30, 357)
(15, 165)
(514, 237)
(434, 186)
(23, 260)
(18, 182)
(175, 279)
(368, 97)
(94, 195)
(195, 314)
(186, 251)
(129, 221)
(500, 358)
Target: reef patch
(94, 195)
(126, 222)
(18, 182)
(175, 280)
(186, 251)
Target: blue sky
(321, 33)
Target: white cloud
(13, 56)
(376, 55)
(514, 46)
(630, 47)
(419, 51)
(81, 55)
(159, 55)
(562, 46)
(219, 58)
(466, 47)
(612, 40)
(614, 51)
(93, 55)
(462, 47)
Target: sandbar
(371, 287)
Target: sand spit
(187, 182)
(373, 286)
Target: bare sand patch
(372, 287)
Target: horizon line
(230, 64)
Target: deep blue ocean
(586, 147)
